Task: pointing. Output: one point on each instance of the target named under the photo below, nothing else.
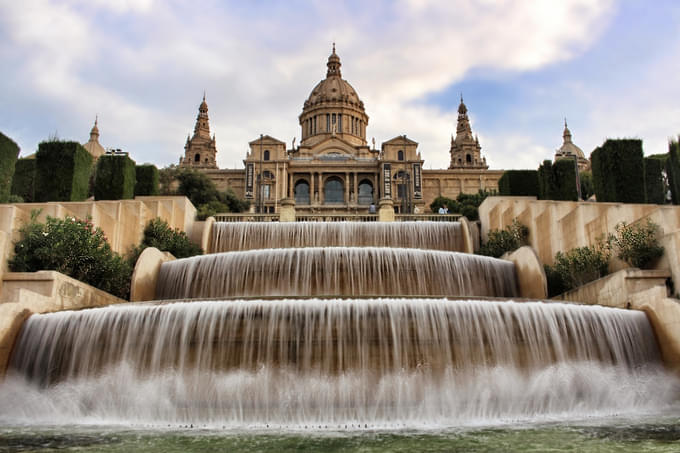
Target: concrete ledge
(26, 293)
(145, 275)
(531, 278)
(664, 315)
(616, 290)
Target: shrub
(23, 183)
(673, 171)
(637, 244)
(147, 180)
(210, 209)
(234, 203)
(655, 191)
(506, 240)
(519, 183)
(197, 187)
(75, 248)
(579, 266)
(115, 178)
(452, 205)
(9, 151)
(587, 188)
(618, 174)
(556, 285)
(557, 181)
(62, 171)
(158, 233)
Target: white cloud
(145, 80)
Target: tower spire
(333, 64)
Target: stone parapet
(386, 210)
(145, 275)
(531, 279)
(27, 293)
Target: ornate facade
(200, 151)
(334, 168)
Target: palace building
(334, 169)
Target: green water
(641, 435)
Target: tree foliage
(9, 151)
(147, 180)
(618, 171)
(62, 171)
(519, 183)
(506, 240)
(159, 234)
(73, 247)
(637, 244)
(115, 178)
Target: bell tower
(466, 151)
(200, 150)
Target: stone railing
(427, 217)
(336, 217)
(246, 217)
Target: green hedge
(23, 183)
(673, 171)
(519, 183)
(618, 171)
(115, 178)
(147, 180)
(557, 181)
(654, 186)
(9, 151)
(62, 171)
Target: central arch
(333, 191)
(302, 192)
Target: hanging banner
(250, 168)
(387, 181)
(417, 182)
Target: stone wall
(27, 293)
(558, 226)
(122, 221)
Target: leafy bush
(519, 183)
(673, 170)
(637, 244)
(618, 171)
(147, 180)
(557, 181)
(23, 183)
(115, 178)
(577, 267)
(197, 187)
(452, 205)
(508, 239)
(210, 209)
(158, 233)
(234, 203)
(587, 189)
(73, 247)
(9, 151)
(62, 171)
(655, 191)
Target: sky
(522, 66)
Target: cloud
(144, 68)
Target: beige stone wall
(145, 275)
(451, 183)
(26, 293)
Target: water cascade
(380, 362)
(233, 236)
(336, 271)
(334, 327)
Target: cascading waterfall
(336, 271)
(372, 362)
(235, 236)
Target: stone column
(347, 200)
(356, 188)
(386, 210)
(287, 211)
(312, 176)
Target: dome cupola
(333, 108)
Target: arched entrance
(333, 191)
(365, 192)
(302, 192)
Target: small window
(468, 158)
(266, 154)
(197, 158)
(400, 155)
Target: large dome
(568, 147)
(333, 88)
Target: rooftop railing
(246, 217)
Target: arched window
(267, 174)
(302, 192)
(266, 154)
(468, 158)
(400, 155)
(197, 158)
(365, 192)
(333, 191)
